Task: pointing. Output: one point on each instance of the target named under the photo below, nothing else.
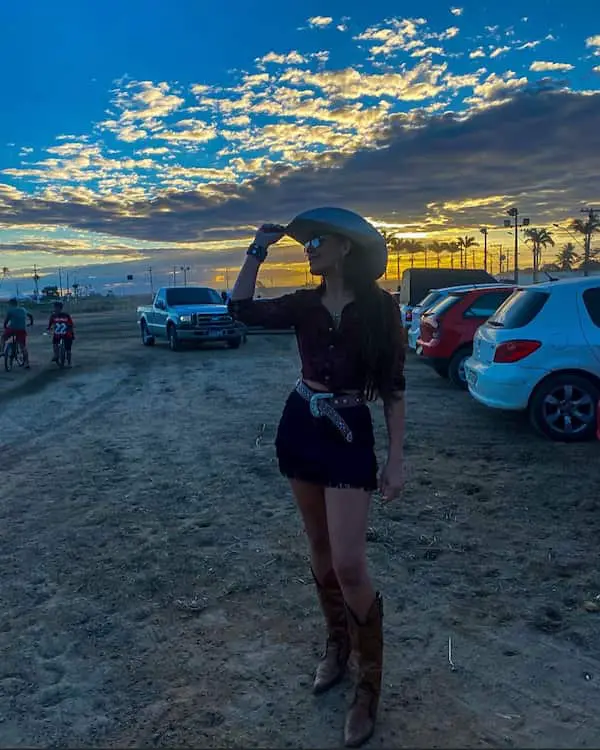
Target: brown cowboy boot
(332, 666)
(368, 637)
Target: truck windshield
(193, 296)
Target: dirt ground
(154, 579)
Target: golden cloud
(540, 66)
(594, 43)
(290, 58)
(499, 51)
(192, 131)
(397, 35)
(416, 84)
(320, 22)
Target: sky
(154, 134)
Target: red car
(447, 329)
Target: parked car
(540, 352)
(188, 313)
(447, 329)
(418, 282)
(434, 296)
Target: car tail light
(515, 351)
(434, 324)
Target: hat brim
(362, 234)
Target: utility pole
(185, 269)
(60, 286)
(589, 226)
(484, 232)
(36, 279)
(501, 257)
(174, 275)
(151, 281)
(514, 213)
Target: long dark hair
(376, 314)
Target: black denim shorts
(312, 449)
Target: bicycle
(62, 355)
(13, 352)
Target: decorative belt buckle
(314, 402)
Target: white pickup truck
(181, 314)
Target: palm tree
(587, 228)
(412, 247)
(396, 245)
(452, 248)
(437, 248)
(464, 243)
(539, 239)
(567, 257)
(388, 237)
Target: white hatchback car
(540, 352)
(434, 296)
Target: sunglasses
(314, 243)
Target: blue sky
(148, 133)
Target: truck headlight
(185, 318)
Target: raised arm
(280, 312)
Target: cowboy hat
(329, 220)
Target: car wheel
(563, 408)
(441, 368)
(234, 343)
(456, 368)
(147, 339)
(173, 339)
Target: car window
(486, 304)
(429, 300)
(443, 305)
(193, 296)
(591, 299)
(519, 309)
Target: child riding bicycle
(15, 324)
(61, 324)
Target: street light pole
(185, 269)
(484, 232)
(514, 213)
(587, 252)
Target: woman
(350, 343)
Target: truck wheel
(147, 339)
(173, 338)
(563, 408)
(234, 343)
(441, 368)
(456, 368)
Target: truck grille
(207, 320)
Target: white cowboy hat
(329, 220)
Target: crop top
(329, 355)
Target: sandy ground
(154, 582)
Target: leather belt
(326, 404)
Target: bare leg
(332, 666)
(347, 518)
(347, 515)
(310, 499)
